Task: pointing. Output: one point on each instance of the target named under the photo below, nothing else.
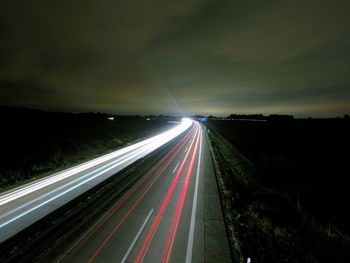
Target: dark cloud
(188, 56)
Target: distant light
(111, 118)
(148, 119)
(173, 122)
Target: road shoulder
(216, 246)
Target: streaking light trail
(175, 149)
(145, 245)
(133, 207)
(23, 202)
(152, 233)
(159, 139)
(178, 211)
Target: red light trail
(183, 141)
(174, 225)
(142, 252)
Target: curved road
(172, 214)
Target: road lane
(136, 238)
(153, 229)
(190, 241)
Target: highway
(171, 214)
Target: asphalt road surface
(172, 214)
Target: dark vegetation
(35, 143)
(259, 117)
(287, 201)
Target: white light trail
(62, 193)
(155, 141)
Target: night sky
(177, 57)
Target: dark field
(307, 159)
(35, 143)
(289, 204)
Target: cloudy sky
(172, 57)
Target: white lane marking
(194, 208)
(186, 149)
(137, 236)
(176, 167)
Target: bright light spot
(111, 118)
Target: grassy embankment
(264, 223)
(36, 143)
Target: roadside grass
(264, 224)
(305, 159)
